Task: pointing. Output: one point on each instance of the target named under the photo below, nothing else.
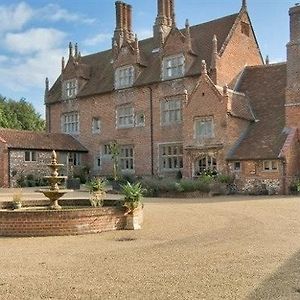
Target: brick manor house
(186, 100)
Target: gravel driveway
(217, 248)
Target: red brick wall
(292, 116)
(292, 158)
(252, 173)
(64, 222)
(239, 52)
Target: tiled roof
(102, 75)
(265, 87)
(18, 139)
(241, 107)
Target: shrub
(228, 179)
(82, 174)
(154, 186)
(151, 186)
(206, 179)
(188, 185)
(295, 186)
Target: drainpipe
(151, 129)
(284, 190)
(8, 166)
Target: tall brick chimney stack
(164, 22)
(293, 70)
(123, 31)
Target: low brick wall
(22, 223)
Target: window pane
(171, 111)
(124, 77)
(171, 157)
(204, 128)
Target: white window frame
(74, 159)
(171, 111)
(208, 134)
(96, 125)
(32, 156)
(125, 116)
(173, 67)
(270, 165)
(171, 157)
(126, 159)
(70, 88)
(211, 163)
(70, 122)
(124, 77)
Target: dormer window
(70, 88)
(173, 67)
(124, 77)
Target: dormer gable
(177, 55)
(74, 74)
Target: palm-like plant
(97, 185)
(133, 194)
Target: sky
(34, 34)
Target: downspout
(151, 129)
(8, 167)
(284, 190)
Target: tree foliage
(19, 115)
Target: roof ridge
(182, 29)
(3, 129)
(265, 65)
(20, 130)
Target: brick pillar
(293, 70)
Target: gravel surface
(217, 248)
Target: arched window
(206, 163)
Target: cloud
(97, 39)
(31, 72)
(14, 17)
(55, 13)
(33, 40)
(3, 58)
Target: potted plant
(97, 188)
(133, 194)
(17, 197)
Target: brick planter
(27, 222)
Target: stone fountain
(36, 220)
(54, 193)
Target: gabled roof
(102, 74)
(265, 86)
(21, 139)
(240, 105)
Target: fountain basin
(54, 196)
(38, 222)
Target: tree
(19, 115)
